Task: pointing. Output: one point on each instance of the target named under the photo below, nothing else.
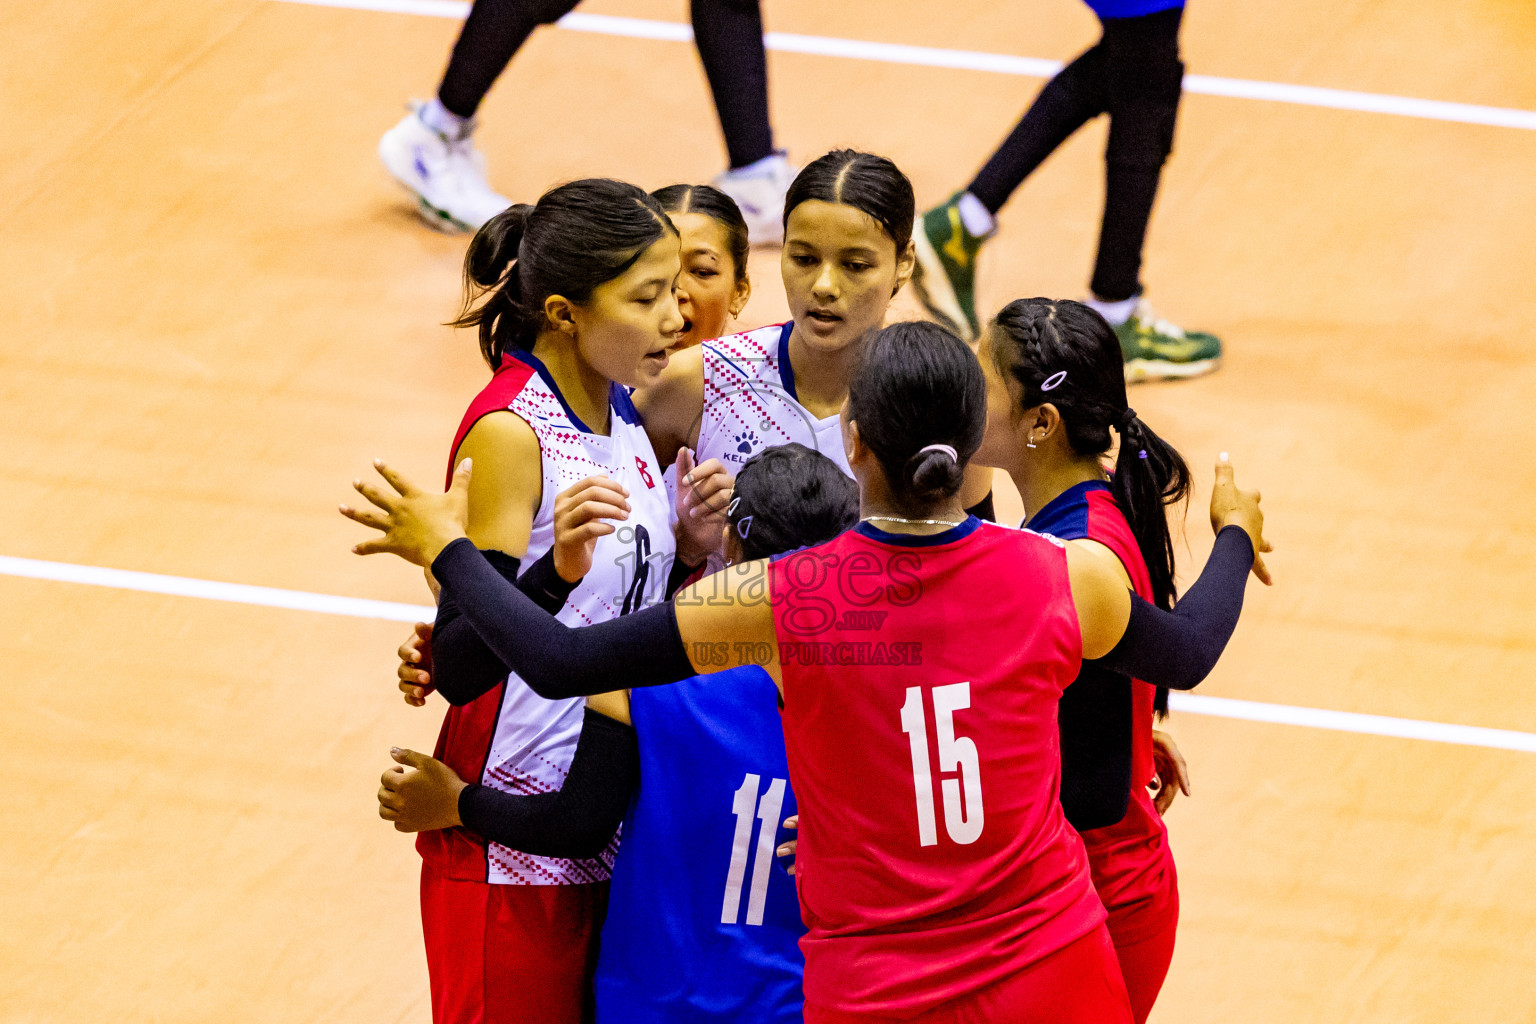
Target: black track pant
(1135, 76)
(728, 33)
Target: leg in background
(949, 237)
(432, 150)
(493, 32)
(1144, 78)
(1074, 97)
(729, 35)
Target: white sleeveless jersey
(535, 738)
(750, 401)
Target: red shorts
(1144, 961)
(510, 954)
(1078, 984)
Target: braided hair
(1065, 353)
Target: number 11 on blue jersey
(768, 810)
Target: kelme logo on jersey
(754, 415)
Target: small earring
(1030, 443)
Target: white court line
(1350, 721)
(999, 63)
(213, 590)
(330, 604)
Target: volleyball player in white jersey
(578, 306)
(847, 252)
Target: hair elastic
(946, 449)
(1054, 381)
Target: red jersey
(1132, 863)
(921, 678)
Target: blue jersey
(703, 923)
(1131, 8)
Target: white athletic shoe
(446, 174)
(759, 190)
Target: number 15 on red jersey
(963, 821)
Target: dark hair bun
(919, 385)
(933, 474)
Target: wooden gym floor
(217, 309)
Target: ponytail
(491, 273)
(1150, 475)
(578, 236)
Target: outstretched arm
(556, 661)
(1176, 649)
(463, 666)
(641, 649)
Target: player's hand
(703, 495)
(416, 524)
(582, 512)
(1232, 507)
(419, 793)
(415, 669)
(1172, 773)
(786, 851)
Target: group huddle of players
(648, 802)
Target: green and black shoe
(946, 268)
(1155, 349)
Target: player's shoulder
(745, 354)
(500, 395)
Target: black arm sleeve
(1178, 649)
(546, 586)
(640, 649)
(1095, 724)
(576, 820)
(463, 666)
